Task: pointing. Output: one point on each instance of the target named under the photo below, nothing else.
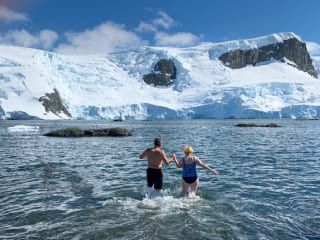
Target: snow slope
(316, 64)
(110, 86)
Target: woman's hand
(215, 172)
(173, 156)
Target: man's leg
(150, 178)
(158, 183)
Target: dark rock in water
(271, 125)
(52, 103)
(307, 119)
(114, 132)
(246, 125)
(117, 120)
(67, 132)
(292, 49)
(163, 75)
(77, 132)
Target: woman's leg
(185, 188)
(194, 186)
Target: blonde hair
(188, 149)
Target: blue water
(94, 188)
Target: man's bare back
(155, 157)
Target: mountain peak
(190, 82)
(218, 49)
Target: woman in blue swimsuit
(190, 178)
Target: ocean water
(94, 188)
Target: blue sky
(92, 26)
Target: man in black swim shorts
(155, 156)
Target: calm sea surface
(94, 188)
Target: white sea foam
(159, 205)
(23, 129)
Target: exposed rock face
(77, 132)
(292, 49)
(52, 103)
(163, 74)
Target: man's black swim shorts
(154, 177)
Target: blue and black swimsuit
(189, 171)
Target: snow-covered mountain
(316, 64)
(270, 76)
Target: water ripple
(94, 188)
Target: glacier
(111, 86)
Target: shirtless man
(155, 156)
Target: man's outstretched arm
(165, 159)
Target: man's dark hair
(157, 142)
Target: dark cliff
(52, 103)
(292, 49)
(163, 74)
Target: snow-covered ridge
(217, 49)
(245, 44)
(111, 85)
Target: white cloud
(180, 39)
(146, 27)
(162, 21)
(7, 15)
(44, 39)
(313, 48)
(47, 38)
(103, 38)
